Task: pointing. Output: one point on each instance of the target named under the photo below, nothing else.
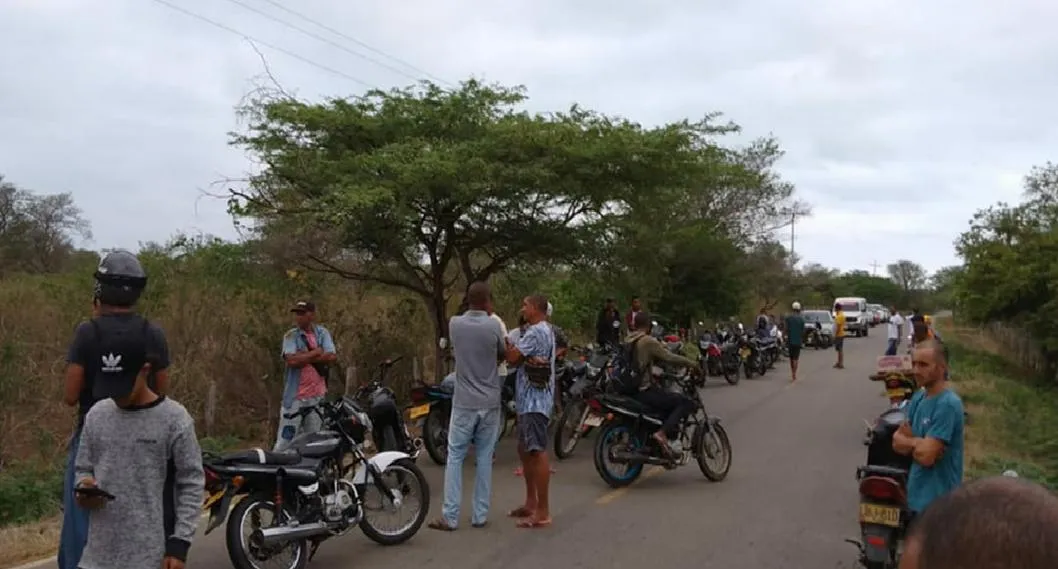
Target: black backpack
(629, 377)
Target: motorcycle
(749, 350)
(711, 359)
(573, 423)
(769, 340)
(322, 488)
(389, 432)
(729, 353)
(626, 439)
(883, 511)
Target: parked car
(825, 321)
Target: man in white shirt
(896, 325)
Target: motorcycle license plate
(894, 393)
(593, 420)
(419, 411)
(744, 353)
(881, 515)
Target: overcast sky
(900, 118)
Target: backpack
(115, 353)
(629, 377)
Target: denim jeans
(74, 519)
(289, 429)
(891, 349)
(480, 427)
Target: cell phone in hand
(93, 492)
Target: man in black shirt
(608, 325)
(115, 341)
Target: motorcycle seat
(630, 403)
(878, 470)
(262, 456)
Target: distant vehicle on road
(877, 314)
(825, 329)
(857, 316)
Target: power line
(273, 47)
(358, 42)
(316, 36)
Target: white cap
(797, 306)
(549, 308)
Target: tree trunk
(439, 313)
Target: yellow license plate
(894, 393)
(419, 411)
(881, 515)
(213, 499)
(744, 353)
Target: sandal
(533, 523)
(520, 512)
(440, 524)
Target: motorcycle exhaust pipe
(624, 457)
(276, 536)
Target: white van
(857, 316)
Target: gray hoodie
(149, 459)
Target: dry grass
(1012, 417)
(28, 543)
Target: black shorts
(795, 351)
(839, 344)
(532, 431)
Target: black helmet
(120, 279)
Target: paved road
(789, 500)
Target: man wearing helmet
(795, 331)
(116, 342)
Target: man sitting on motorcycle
(647, 352)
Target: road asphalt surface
(789, 500)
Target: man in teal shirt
(933, 433)
(795, 331)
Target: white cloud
(900, 118)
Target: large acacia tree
(424, 189)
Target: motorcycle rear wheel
(604, 444)
(239, 545)
(567, 432)
(435, 436)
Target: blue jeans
(74, 519)
(891, 350)
(480, 427)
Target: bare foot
(534, 523)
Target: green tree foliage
(37, 232)
(426, 190)
(1011, 263)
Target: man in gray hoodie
(138, 471)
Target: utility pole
(793, 222)
(874, 268)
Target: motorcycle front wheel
(245, 553)
(413, 491)
(713, 445)
(568, 431)
(435, 433)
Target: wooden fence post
(350, 379)
(211, 406)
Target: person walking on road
(933, 433)
(795, 331)
(114, 333)
(534, 354)
(308, 351)
(608, 325)
(894, 331)
(839, 336)
(478, 341)
(993, 523)
(139, 447)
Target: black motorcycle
(388, 430)
(883, 514)
(749, 350)
(431, 409)
(576, 421)
(626, 442)
(323, 487)
(729, 353)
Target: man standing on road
(478, 343)
(895, 329)
(994, 523)
(308, 351)
(534, 354)
(115, 332)
(608, 325)
(795, 331)
(933, 433)
(637, 307)
(839, 336)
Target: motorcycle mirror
(653, 322)
(590, 346)
(442, 343)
